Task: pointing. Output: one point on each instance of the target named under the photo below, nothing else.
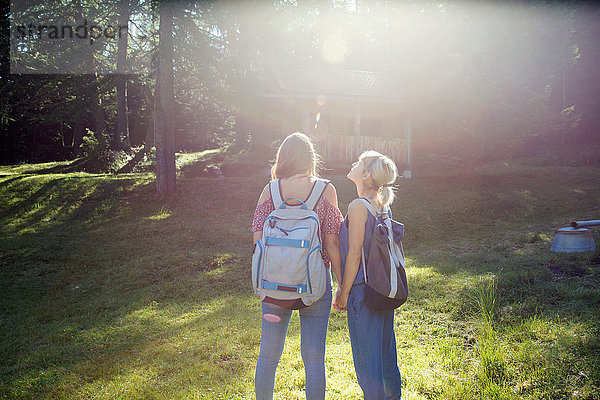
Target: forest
(485, 80)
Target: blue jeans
(373, 348)
(313, 332)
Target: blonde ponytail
(387, 196)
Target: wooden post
(357, 142)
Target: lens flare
(272, 318)
(335, 48)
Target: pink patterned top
(330, 218)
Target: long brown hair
(295, 155)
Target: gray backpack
(385, 272)
(287, 265)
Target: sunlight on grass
(171, 341)
(169, 315)
(31, 168)
(163, 213)
(185, 159)
(135, 383)
(109, 293)
(485, 297)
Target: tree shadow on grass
(110, 284)
(65, 167)
(66, 318)
(47, 202)
(96, 296)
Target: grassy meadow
(110, 293)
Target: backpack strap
(364, 264)
(275, 193)
(372, 210)
(316, 193)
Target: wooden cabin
(345, 112)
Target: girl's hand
(341, 300)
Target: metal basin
(572, 240)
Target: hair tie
(388, 185)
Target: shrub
(96, 152)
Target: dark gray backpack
(385, 273)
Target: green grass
(108, 293)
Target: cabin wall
(342, 129)
(345, 129)
(338, 150)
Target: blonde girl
(371, 332)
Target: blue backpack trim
(308, 268)
(273, 241)
(283, 288)
(259, 245)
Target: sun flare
(335, 48)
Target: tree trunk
(78, 132)
(97, 110)
(149, 141)
(121, 137)
(165, 135)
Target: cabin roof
(315, 81)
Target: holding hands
(340, 302)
